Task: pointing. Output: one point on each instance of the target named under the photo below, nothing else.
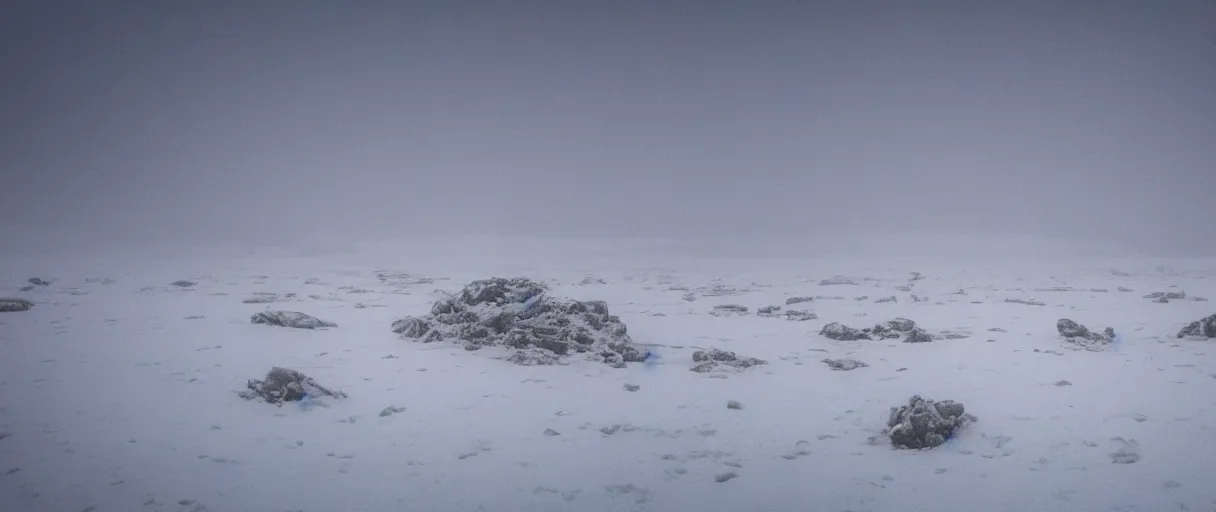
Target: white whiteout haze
(639, 153)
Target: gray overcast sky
(226, 119)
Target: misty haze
(601, 256)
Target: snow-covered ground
(118, 390)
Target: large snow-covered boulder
(1205, 327)
(721, 360)
(290, 319)
(516, 313)
(924, 423)
(1081, 337)
(286, 385)
(13, 304)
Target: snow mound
(1205, 327)
(1082, 338)
(924, 424)
(887, 330)
(721, 360)
(516, 313)
(290, 319)
(286, 385)
(12, 304)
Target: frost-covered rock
(1081, 337)
(795, 300)
(716, 360)
(728, 310)
(13, 304)
(769, 311)
(891, 329)
(183, 283)
(796, 315)
(886, 300)
(38, 281)
(918, 335)
(839, 280)
(516, 313)
(286, 385)
(844, 364)
(292, 319)
(924, 424)
(1205, 327)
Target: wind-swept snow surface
(121, 393)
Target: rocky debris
(915, 276)
(1162, 300)
(286, 385)
(797, 315)
(516, 313)
(1205, 327)
(1125, 289)
(1056, 289)
(734, 404)
(1082, 337)
(1099, 290)
(924, 424)
(917, 298)
(1028, 302)
(183, 283)
(267, 298)
(1168, 296)
(552, 433)
(632, 387)
(769, 311)
(887, 330)
(1199, 299)
(1062, 383)
(863, 297)
(886, 300)
(728, 310)
(721, 290)
(38, 281)
(611, 429)
(715, 359)
(292, 319)
(918, 335)
(839, 280)
(954, 335)
(796, 300)
(13, 304)
(391, 410)
(401, 279)
(844, 364)
(903, 288)
(592, 280)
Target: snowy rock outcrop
(924, 423)
(1081, 337)
(1203, 328)
(887, 330)
(286, 385)
(290, 319)
(516, 313)
(13, 304)
(718, 360)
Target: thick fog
(230, 122)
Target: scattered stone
(796, 300)
(844, 364)
(886, 300)
(715, 359)
(27, 288)
(516, 313)
(795, 315)
(997, 329)
(286, 385)
(1063, 383)
(38, 281)
(391, 410)
(292, 319)
(632, 387)
(903, 288)
(916, 276)
(924, 424)
(917, 298)
(863, 297)
(551, 433)
(887, 330)
(840, 332)
(1162, 300)
(1081, 337)
(769, 311)
(839, 280)
(728, 310)
(610, 430)
(953, 335)
(1199, 299)
(592, 280)
(1028, 302)
(13, 304)
(1099, 290)
(727, 476)
(1205, 328)
(732, 404)
(183, 283)
(1125, 289)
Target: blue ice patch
(652, 358)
